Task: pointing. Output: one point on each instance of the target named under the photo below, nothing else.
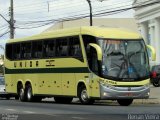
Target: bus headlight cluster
(146, 86)
(104, 94)
(106, 85)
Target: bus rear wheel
(83, 96)
(125, 102)
(29, 93)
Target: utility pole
(11, 14)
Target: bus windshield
(124, 60)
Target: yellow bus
(91, 63)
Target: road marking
(79, 118)
(50, 115)
(11, 109)
(29, 112)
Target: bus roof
(101, 32)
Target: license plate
(129, 94)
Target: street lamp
(90, 7)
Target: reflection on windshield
(124, 59)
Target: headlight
(147, 85)
(104, 84)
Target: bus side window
(9, 51)
(61, 47)
(16, 51)
(26, 50)
(37, 49)
(64, 47)
(74, 47)
(49, 48)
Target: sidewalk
(154, 97)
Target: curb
(135, 101)
(147, 101)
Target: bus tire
(22, 95)
(83, 96)
(125, 102)
(29, 93)
(65, 100)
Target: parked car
(155, 75)
(3, 93)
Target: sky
(29, 14)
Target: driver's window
(91, 53)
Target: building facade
(148, 20)
(127, 23)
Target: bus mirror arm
(153, 52)
(98, 49)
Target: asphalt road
(49, 110)
(103, 110)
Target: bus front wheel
(125, 102)
(83, 96)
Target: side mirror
(98, 49)
(153, 52)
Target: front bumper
(113, 92)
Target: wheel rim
(21, 94)
(84, 95)
(29, 94)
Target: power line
(1, 29)
(4, 18)
(97, 14)
(86, 13)
(3, 25)
(28, 22)
(4, 34)
(69, 8)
